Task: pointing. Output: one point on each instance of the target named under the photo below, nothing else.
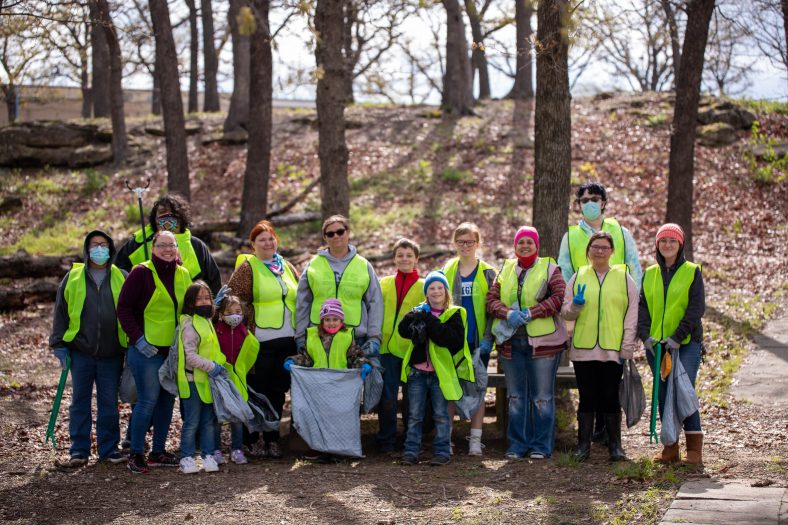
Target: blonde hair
(466, 228)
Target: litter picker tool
(139, 191)
(653, 436)
(61, 386)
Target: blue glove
(61, 352)
(145, 348)
(423, 307)
(526, 313)
(366, 368)
(372, 348)
(217, 370)
(578, 299)
(288, 364)
(515, 319)
(485, 347)
(670, 344)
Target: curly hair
(180, 208)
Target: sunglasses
(340, 232)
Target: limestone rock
(717, 134)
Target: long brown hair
(190, 297)
(601, 235)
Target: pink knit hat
(332, 307)
(671, 231)
(527, 231)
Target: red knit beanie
(671, 231)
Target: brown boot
(694, 448)
(669, 454)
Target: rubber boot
(585, 429)
(694, 448)
(613, 428)
(669, 454)
(600, 436)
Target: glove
(288, 364)
(366, 368)
(670, 344)
(578, 299)
(526, 312)
(217, 370)
(61, 352)
(515, 319)
(423, 307)
(223, 292)
(145, 348)
(371, 348)
(485, 347)
(649, 343)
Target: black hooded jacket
(98, 328)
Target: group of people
(158, 294)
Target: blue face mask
(591, 210)
(99, 254)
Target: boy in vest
(85, 327)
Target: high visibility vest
(209, 349)
(161, 314)
(601, 321)
(337, 352)
(75, 293)
(667, 308)
(578, 244)
(245, 361)
(269, 305)
(537, 277)
(478, 292)
(188, 257)
(393, 343)
(449, 368)
(350, 290)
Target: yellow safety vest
(350, 290)
(667, 308)
(247, 357)
(160, 313)
(185, 248)
(75, 293)
(478, 292)
(537, 277)
(601, 321)
(578, 244)
(337, 352)
(393, 343)
(269, 304)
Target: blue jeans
(689, 355)
(198, 418)
(387, 410)
(530, 385)
(105, 373)
(420, 385)
(236, 436)
(154, 404)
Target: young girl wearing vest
(527, 295)
(672, 302)
(469, 280)
(240, 348)
(401, 292)
(433, 366)
(601, 299)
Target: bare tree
(238, 114)
(71, 38)
(19, 60)
(100, 61)
(194, 57)
(523, 78)
(726, 69)
(769, 29)
(670, 8)
(142, 55)
(210, 60)
(119, 139)
(457, 96)
(482, 27)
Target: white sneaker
(238, 457)
(219, 457)
(189, 466)
(475, 445)
(209, 464)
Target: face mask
(99, 255)
(168, 223)
(332, 331)
(233, 319)
(591, 210)
(204, 311)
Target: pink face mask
(332, 331)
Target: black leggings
(271, 379)
(597, 382)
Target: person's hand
(649, 343)
(515, 319)
(366, 368)
(217, 370)
(372, 348)
(288, 364)
(61, 352)
(670, 344)
(145, 348)
(526, 313)
(578, 299)
(485, 347)
(421, 308)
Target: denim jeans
(105, 373)
(387, 410)
(236, 436)
(420, 386)
(530, 385)
(198, 418)
(689, 355)
(154, 404)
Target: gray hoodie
(371, 307)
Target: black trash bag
(631, 394)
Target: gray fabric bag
(168, 373)
(265, 418)
(681, 401)
(473, 392)
(228, 403)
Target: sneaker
(189, 466)
(237, 456)
(258, 450)
(311, 455)
(408, 460)
(219, 457)
(115, 458)
(474, 445)
(162, 459)
(537, 455)
(125, 444)
(137, 464)
(438, 461)
(274, 452)
(209, 464)
(75, 461)
(513, 456)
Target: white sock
(476, 432)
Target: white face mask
(233, 320)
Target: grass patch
(763, 106)
(639, 507)
(94, 181)
(657, 120)
(566, 459)
(292, 236)
(58, 237)
(766, 167)
(456, 176)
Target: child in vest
(240, 348)
(433, 366)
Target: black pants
(597, 382)
(271, 379)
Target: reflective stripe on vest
(75, 293)
(245, 361)
(393, 343)
(160, 314)
(353, 284)
(665, 320)
(478, 292)
(337, 352)
(209, 349)
(601, 321)
(536, 278)
(449, 368)
(269, 305)
(578, 243)
(185, 249)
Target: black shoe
(438, 461)
(325, 459)
(273, 450)
(115, 458)
(137, 464)
(613, 428)
(585, 429)
(162, 459)
(409, 460)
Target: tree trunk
(171, 102)
(553, 127)
(100, 54)
(11, 104)
(478, 56)
(685, 118)
(784, 7)
(254, 201)
(332, 148)
(194, 58)
(87, 98)
(351, 11)
(238, 114)
(119, 139)
(675, 42)
(155, 100)
(457, 97)
(210, 61)
(523, 77)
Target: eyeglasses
(165, 246)
(339, 233)
(465, 243)
(586, 200)
(600, 248)
(99, 245)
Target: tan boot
(694, 448)
(669, 454)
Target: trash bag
(325, 406)
(631, 394)
(127, 390)
(473, 391)
(265, 418)
(168, 373)
(686, 397)
(503, 331)
(681, 401)
(228, 403)
(373, 386)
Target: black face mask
(204, 311)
